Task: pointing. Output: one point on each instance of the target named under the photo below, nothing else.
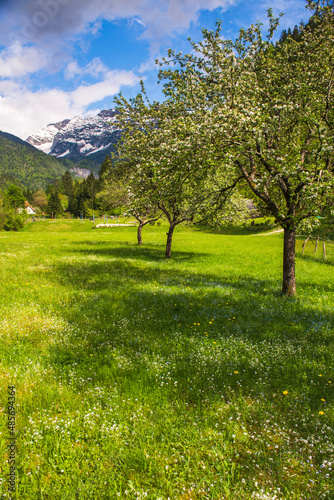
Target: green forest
(25, 165)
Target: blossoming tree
(164, 160)
(268, 110)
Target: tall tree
(91, 186)
(113, 195)
(10, 202)
(54, 206)
(164, 155)
(268, 111)
(106, 168)
(39, 200)
(67, 184)
(14, 196)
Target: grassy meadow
(138, 377)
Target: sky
(64, 58)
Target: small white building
(28, 208)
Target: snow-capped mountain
(79, 138)
(43, 139)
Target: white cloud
(22, 112)
(72, 70)
(95, 69)
(91, 112)
(17, 61)
(111, 85)
(34, 20)
(40, 35)
(149, 66)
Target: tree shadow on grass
(139, 252)
(168, 325)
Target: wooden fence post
(324, 249)
(303, 247)
(316, 244)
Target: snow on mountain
(79, 137)
(43, 139)
(99, 149)
(64, 154)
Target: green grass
(139, 377)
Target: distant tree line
(64, 197)
(74, 197)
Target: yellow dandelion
(321, 413)
(236, 372)
(210, 322)
(285, 392)
(320, 374)
(322, 399)
(198, 324)
(329, 381)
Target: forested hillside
(27, 166)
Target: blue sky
(62, 58)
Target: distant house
(28, 208)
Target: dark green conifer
(54, 204)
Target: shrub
(13, 222)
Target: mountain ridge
(76, 139)
(16, 139)
(24, 165)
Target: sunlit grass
(190, 378)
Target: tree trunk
(140, 227)
(303, 247)
(169, 241)
(324, 249)
(316, 244)
(289, 277)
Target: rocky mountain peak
(59, 125)
(79, 137)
